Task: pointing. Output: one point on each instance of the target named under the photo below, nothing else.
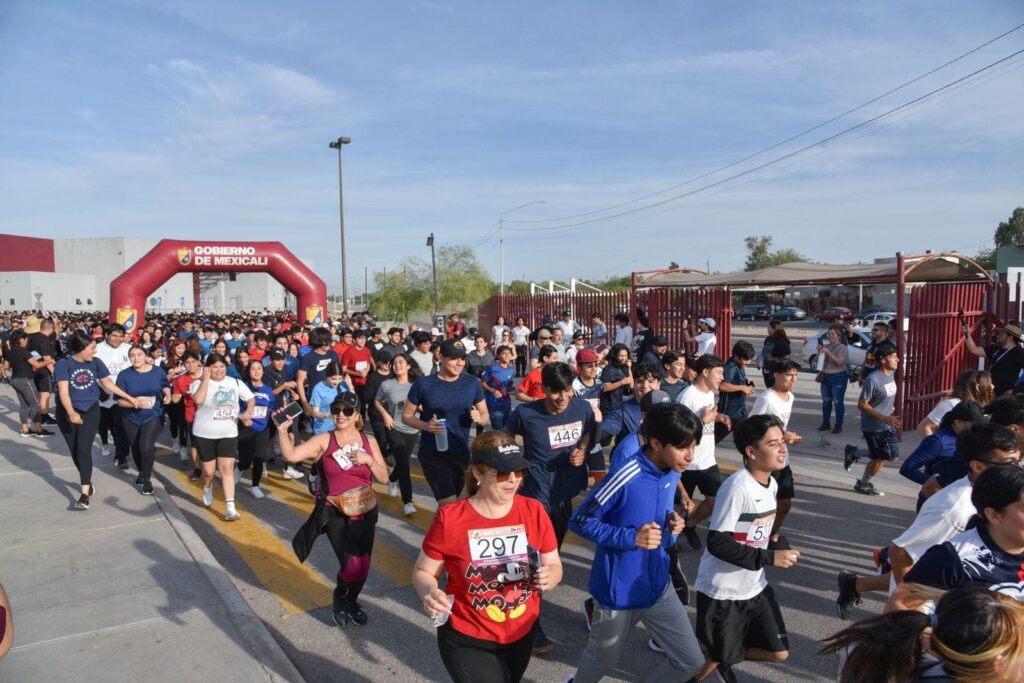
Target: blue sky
(193, 119)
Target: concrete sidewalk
(123, 591)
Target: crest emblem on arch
(184, 256)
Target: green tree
(986, 258)
(760, 254)
(409, 288)
(1010, 233)
(672, 265)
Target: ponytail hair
(880, 649)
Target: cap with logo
(710, 322)
(277, 354)
(508, 458)
(453, 348)
(653, 398)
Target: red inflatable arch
(128, 293)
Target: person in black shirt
(42, 344)
(22, 367)
(1005, 356)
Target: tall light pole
(337, 144)
(501, 248)
(433, 266)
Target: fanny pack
(355, 501)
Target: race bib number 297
(499, 545)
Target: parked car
(878, 317)
(753, 312)
(834, 313)
(869, 311)
(857, 350)
(789, 313)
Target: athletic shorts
(708, 481)
(784, 478)
(726, 628)
(211, 449)
(882, 445)
(43, 382)
(445, 474)
(595, 461)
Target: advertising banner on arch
(201, 256)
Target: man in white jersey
(705, 337)
(738, 617)
(703, 472)
(114, 354)
(778, 401)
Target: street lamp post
(433, 267)
(337, 144)
(501, 248)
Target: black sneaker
(838, 429)
(849, 457)
(196, 475)
(147, 488)
(824, 427)
(121, 464)
(867, 488)
(43, 433)
(47, 420)
(83, 502)
(848, 595)
(138, 480)
(340, 616)
(356, 614)
(24, 434)
(692, 537)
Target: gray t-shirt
(880, 392)
(393, 396)
(476, 364)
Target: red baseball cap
(586, 356)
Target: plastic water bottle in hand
(441, 439)
(441, 618)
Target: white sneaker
(393, 489)
(257, 492)
(183, 454)
(105, 451)
(208, 495)
(409, 509)
(292, 473)
(232, 516)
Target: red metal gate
(668, 309)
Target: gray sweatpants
(666, 620)
(28, 399)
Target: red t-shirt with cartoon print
(488, 566)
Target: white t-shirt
(624, 335)
(942, 517)
(116, 360)
(771, 403)
(745, 509)
(217, 417)
(940, 410)
(699, 401)
(520, 335)
(706, 342)
(568, 328)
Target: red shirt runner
(358, 359)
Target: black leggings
(471, 660)
(253, 447)
(79, 438)
(142, 440)
(401, 448)
(522, 359)
(380, 432)
(111, 423)
(179, 428)
(352, 540)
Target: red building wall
(25, 253)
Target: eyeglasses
(346, 411)
(502, 477)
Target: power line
(784, 157)
(776, 145)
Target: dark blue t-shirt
(502, 379)
(144, 385)
(973, 559)
(548, 441)
(83, 380)
(733, 404)
(451, 401)
(623, 419)
(315, 364)
(264, 406)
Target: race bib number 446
(563, 436)
(497, 546)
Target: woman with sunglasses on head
(500, 552)
(346, 506)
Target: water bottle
(441, 440)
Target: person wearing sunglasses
(346, 507)
(500, 553)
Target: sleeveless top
(340, 480)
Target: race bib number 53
(563, 436)
(497, 546)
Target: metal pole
(366, 288)
(433, 267)
(501, 248)
(337, 144)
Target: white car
(881, 317)
(857, 350)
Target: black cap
(384, 356)
(566, 312)
(277, 354)
(345, 400)
(653, 398)
(502, 458)
(659, 341)
(453, 348)
(967, 411)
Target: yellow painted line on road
(296, 586)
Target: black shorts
(595, 461)
(882, 445)
(708, 481)
(784, 478)
(445, 473)
(726, 628)
(211, 449)
(43, 382)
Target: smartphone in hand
(292, 410)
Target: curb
(262, 646)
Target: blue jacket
(636, 493)
(933, 450)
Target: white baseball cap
(710, 322)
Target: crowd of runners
(512, 425)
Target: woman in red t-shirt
(348, 459)
(500, 552)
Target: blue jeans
(499, 416)
(833, 390)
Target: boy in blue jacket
(631, 517)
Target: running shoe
(208, 495)
(409, 509)
(147, 488)
(824, 427)
(393, 489)
(24, 434)
(356, 613)
(257, 492)
(692, 537)
(867, 488)
(83, 502)
(880, 556)
(849, 457)
(653, 646)
(838, 429)
(138, 480)
(292, 473)
(92, 490)
(105, 451)
(588, 611)
(183, 454)
(121, 464)
(43, 432)
(340, 615)
(196, 475)
(47, 420)
(232, 516)
(848, 595)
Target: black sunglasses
(347, 411)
